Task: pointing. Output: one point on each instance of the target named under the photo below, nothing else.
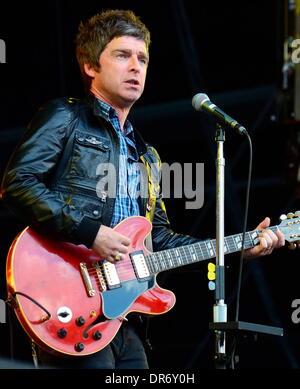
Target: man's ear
(89, 70)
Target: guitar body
(59, 296)
(72, 302)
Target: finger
(262, 249)
(125, 240)
(122, 239)
(271, 238)
(255, 252)
(110, 258)
(265, 241)
(281, 239)
(122, 249)
(264, 224)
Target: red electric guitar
(71, 302)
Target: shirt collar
(109, 114)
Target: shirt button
(96, 213)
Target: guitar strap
(147, 179)
(150, 206)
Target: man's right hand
(110, 244)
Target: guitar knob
(283, 217)
(290, 215)
(80, 321)
(97, 335)
(62, 333)
(79, 347)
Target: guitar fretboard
(200, 251)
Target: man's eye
(144, 61)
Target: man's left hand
(268, 241)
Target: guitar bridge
(87, 280)
(100, 277)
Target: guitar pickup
(140, 266)
(111, 275)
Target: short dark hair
(94, 35)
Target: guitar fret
(192, 253)
(155, 263)
(182, 255)
(169, 260)
(162, 262)
(254, 237)
(172, 254)
(232, 244)
(179, 256)
(148, 263)
(200, 251)
(204, 250)
(210, 248)
(238, 241)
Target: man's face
(121, 77)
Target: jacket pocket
(89, 151)
(91, 208)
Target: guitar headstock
(290, 227)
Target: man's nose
(134, 64)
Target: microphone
(201, 102)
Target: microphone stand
(220, 308)
(220, 324)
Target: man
(52, 181)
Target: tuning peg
(283, 217)
(292, 246)
(290, 215)
(297, 214)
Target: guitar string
(161, 262)
(164, 260)
(197, 248)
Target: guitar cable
(11, 301)
(241, 260)
(31, 299)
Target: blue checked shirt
(128, 190)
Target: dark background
(233, 52)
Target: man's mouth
(132, 82)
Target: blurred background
(241, 55)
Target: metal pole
(220, 308)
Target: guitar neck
(200, 251)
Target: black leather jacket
(51, 180)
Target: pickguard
(116, 301)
